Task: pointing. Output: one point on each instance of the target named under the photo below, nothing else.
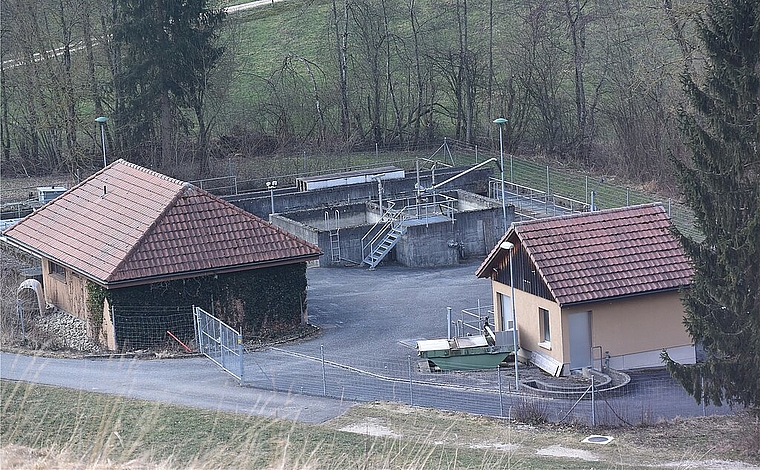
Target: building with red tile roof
(129, 227)
(595, 283)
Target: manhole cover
(596, 439)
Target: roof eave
(484, 271)
(209, 271)
(44, 255)
(624, 296)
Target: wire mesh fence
(649, 397)
(153, 328)
(555, 181)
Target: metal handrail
(380, 233)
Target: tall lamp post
(102, 120)
(510, 247)
(500, 122)
(271, 185)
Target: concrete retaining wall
(476, 229)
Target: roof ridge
(152, 226)
(148, 171)
(189, 190)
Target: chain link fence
(649, 397)
(153, 328)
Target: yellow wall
(622, 327)
(637, 324)
(528, 321)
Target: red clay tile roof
(600, 255)
(128, 224)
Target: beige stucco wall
(636, 324)
(528, 321)
(634, 330)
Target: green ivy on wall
(96, 295)
(259, 301)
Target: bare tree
(340, 24)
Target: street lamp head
(499, 121)
(507, 245)
(101, 120)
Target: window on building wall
(57, 269)
(543, 318)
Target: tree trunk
(578, 37)
(68, 93)
(417, 106)
(341, 43)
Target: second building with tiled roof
(594, 288)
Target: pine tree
(168, 49)
(722, 186)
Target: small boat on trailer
(485, 351)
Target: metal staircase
(384, 239)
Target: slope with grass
(45, 427)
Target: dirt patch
(560, 451)
(370, 427)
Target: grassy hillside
(45, 427)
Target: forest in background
(594, 84)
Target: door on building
(507, 319)
(579, 329)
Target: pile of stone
(62, 330)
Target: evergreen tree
(167, 51)
(722, 186)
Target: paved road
(192, 382)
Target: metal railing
(535, 203)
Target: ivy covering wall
(259, 302)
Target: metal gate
(220, 342)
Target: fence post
(448, 321)
(593, 403)
(411, 396)
(20, 313)
(240, 353)
(221, 343)
(324, 377)
(704, 409)
(586, 189)
(198, 334)
(113, 325)
(546, 199)
(501, 399)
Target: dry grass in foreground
(46, 427)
